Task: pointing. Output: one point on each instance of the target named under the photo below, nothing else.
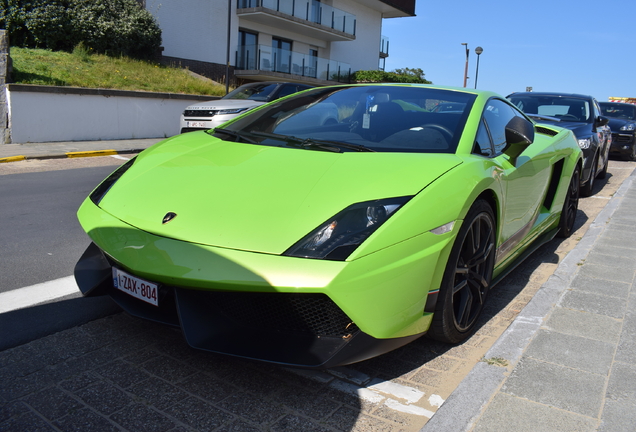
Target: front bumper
(285, 310)
(191, 124)
(622, 144)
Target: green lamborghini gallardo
(333, 225)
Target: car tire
(632, 154)
(570, 206)
(467, 277)
(588, 188)
(603, 172)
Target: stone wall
(5, 77)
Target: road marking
(410, 394)
(355, 390)
(12, 159)
(119, 157)
(436, 400)
(408, 409)
(90, 153)
(354, 382)
(35, 294)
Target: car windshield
(570, 109)
(621, 111)
(258, 92)
(371, 118)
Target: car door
(524, 183)
(604, 133)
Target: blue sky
(572, 46)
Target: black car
(582, 115)
(622, 121)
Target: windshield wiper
(234, 134)
(334, 146)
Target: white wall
(196, 29)
(49, 114)
(364, 52)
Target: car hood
(225, 104)
(580, 130)
(253, 197)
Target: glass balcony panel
(247, 56)
(285, 61)
(384, 45)
(310, 10)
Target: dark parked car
(622, 121)
(582, 115)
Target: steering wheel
(442, 129)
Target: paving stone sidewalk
(568, 361)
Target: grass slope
(83, 69)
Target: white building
(310, 41)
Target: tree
(405, 75)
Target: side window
(483, 145)
(597, 110)
(287, 90)
(497, 115)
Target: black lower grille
(313, 314)
(623, 139)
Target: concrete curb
(462, 410)
(77, 154)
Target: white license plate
(196, 124)
(136, 287)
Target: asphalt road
(40, 234)
(40, 242)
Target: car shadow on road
(435, 367)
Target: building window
(247, 54)
(282, 55)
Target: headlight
(231, 111)
(629, 127)
(100, 191)
(585, 143)
(339, 236)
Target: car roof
(616, 103)
(273, 82)
(555, 94)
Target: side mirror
(601, 121)
(519, 135)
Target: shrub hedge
(113, 27)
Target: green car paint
(241, 205)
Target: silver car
(208, 115)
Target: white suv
(208, 115)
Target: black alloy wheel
(632, 154)
(467, 277)
(570, 206)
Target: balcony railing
(384, 46)
(266, 58)
(309, 10)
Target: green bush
(113, 27)
(405, 75)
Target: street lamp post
(478, 51)
(466, 68)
